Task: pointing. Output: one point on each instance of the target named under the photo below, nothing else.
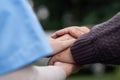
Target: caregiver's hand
(68, 68)
(61, 43)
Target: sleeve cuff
(83, 51)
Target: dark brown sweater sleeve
(100, 45)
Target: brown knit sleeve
(100, 45)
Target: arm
(100, 45)
(36, 73)
(58, 72)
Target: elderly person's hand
(65, 56)
(74, 31)
(64, 38)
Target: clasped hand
(61, 43)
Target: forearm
(100, 45)
(36, 73)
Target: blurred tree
(78, 12)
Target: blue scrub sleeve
(22, 39)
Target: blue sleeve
(22, 39)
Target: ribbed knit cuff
(83, 51)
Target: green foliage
(111, 76)
(85, 12)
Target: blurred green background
(57, 14)
(62, 13)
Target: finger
(74, 31)
(60, 47)
(57, 58)
(85, 29)
(60, 33)
(78, 31)
(65, 37)
(52, 60)
(64, 56)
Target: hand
(67, 36)
(62, 43)
(74, 31)
(64, 56)
(68, 68)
